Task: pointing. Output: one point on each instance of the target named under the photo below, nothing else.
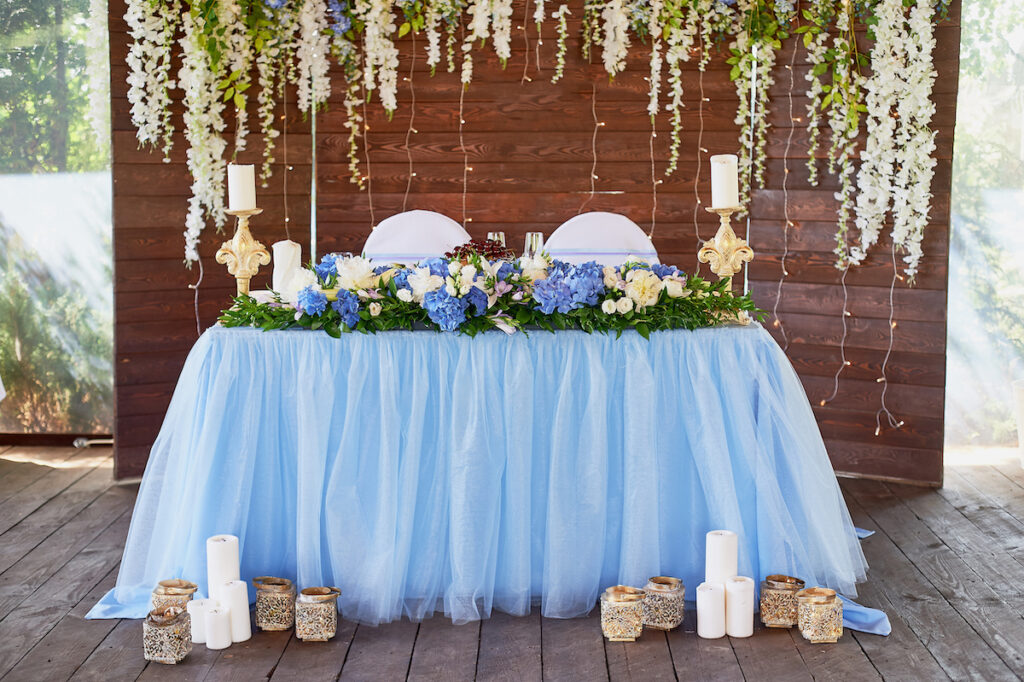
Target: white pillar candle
(287, 259)
(711, 610)
(221, 564)
(739, 606)
(217, 623)
(236, 596)
(241, 187)
(720, 559)
(725, 191)
(197, 612)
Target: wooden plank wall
(529, 144)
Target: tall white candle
(241, 187)
(720, 558)
(739, 606)
(237, 599)
(217, 624)
(287, 259)
(221, 564)
(197, 612)
(725, 191)
(711, 610)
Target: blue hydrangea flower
(664, 270)
(478, 299)
(338, 17)
(507, 270)
(275, 4)
(553, 294)
(328, 266)
(312, 301)
(447, 312)
(401, 278)
(586, 282)
(438, 266)
(381, 269)
(347, 306)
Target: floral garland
(225, 47)
(470, 293)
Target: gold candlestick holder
(242, 253)
(726, 253)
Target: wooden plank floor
(946, 565)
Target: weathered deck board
(938, 562)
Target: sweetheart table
(420, 471)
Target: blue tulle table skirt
(420, 471)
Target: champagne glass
(534, 244)
(496, 237)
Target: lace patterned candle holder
(664, 605)
(175, 592)
(778, 600)
(316, 614)
(275, 603)
(622, 613)
(167, 635)
(819, 615)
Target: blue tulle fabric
(420, 471)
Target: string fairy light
(884, 380)
(412, 120)
(700, 139)
(368, 177)
(195, 292)
(593, 148)
(526, 41)
(655, 180)
(843, 362)
(465, 154)
(284, 146)
(788, 223)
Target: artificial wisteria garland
(225, 47)
(470, 293)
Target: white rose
(608, 307)
(643, 288)
(374, 309)
(611, 276)
(624, 305)
(450, 288)
(404, 295)
(454, 267)
(468, 272)
(355, 273)
(674, 288)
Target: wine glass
(496, 237)
(534, 244)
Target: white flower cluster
(314, 83)
(97, 60)
(654, 30)
(563, 33)
(501, 19)
(897, 166)
(615, 46)
(239, 58)
(380, 56)
(152, 29)
(817, 49)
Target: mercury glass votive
(167, 635)
(622, 613)
(819, 615)
(664, 605)
(778, 600)
(316, 614)
(176, 592)
(275, 603)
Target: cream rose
(624, 305)
(374, 309)
(608, 307)
(643, 288)
(355, 273)
(404, 295)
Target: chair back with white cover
(608, 238)
(411, 236)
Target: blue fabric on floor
(420, 471)
(864, 618)
(863, 533)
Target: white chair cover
(608, 238)
(411, 236)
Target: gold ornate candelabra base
(726, 253)
(242, 253)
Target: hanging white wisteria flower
(204, 128)
(97, 59)
(152, 28)
(815, 40)
(654, 30)
(313, 45)
(239, 59)
(561, 15)
(501, 19)
(538, 14)
(615, 46)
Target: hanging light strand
(655, 180)
(700, 141)
(844, 363)
(785, 205)
(593, 148)
(412, 121)
(195, 295)
(890, 418)
(465, 154)
(284, 147)
(526, 42)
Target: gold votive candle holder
(778, 600)
(167, 635)
(819, 615)
(176, 592)
(664, 603)
(275, 603)
(622, 613)
(316, 614)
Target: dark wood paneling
(535, 138)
